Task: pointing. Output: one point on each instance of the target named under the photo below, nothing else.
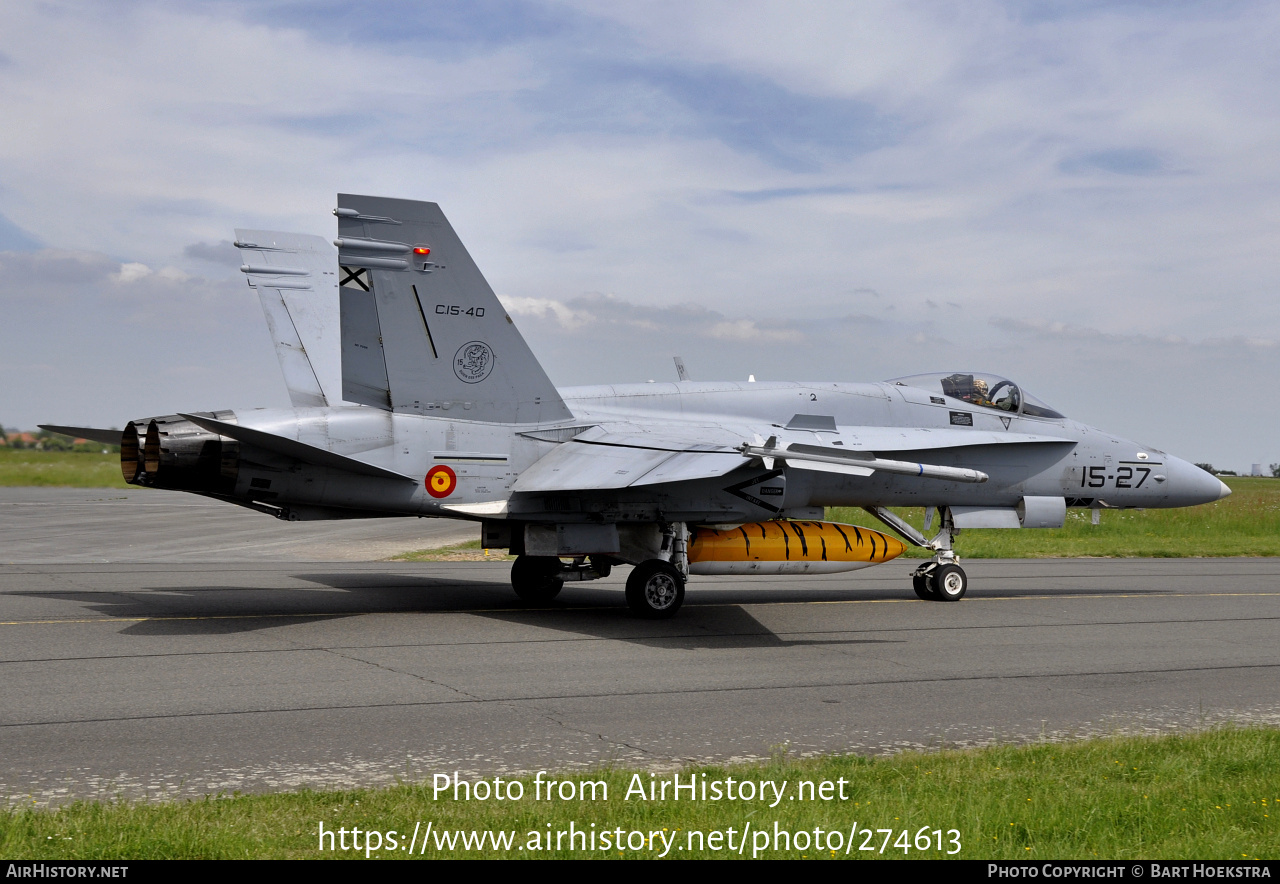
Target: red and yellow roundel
(441, 481)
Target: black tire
(535, 578)
(949, 583)
(920, 583)
(655, 590)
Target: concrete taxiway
(52, 525)
(176, 677)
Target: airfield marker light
(422, 250)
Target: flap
(599, 460)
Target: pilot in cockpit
(977, 391)
(980, 393)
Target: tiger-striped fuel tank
(789, 547)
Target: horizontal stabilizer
(295, 449)
(106, 437)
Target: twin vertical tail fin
(296, 280)
(422, 331)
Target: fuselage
(1084, 465)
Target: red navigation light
(422, 250)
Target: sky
(1080, 196)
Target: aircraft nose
(1190, 485)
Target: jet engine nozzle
(172, 452)
(131, 453)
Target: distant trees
(46, 441)
(1275, 470)
(1208, 468)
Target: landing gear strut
(941, 579)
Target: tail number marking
(458, 310)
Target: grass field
(61, 469)
(1211, 795)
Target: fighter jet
(414, 394)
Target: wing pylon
(854, 463)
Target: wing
(598, 459)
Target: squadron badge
(473, 362)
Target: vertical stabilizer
(446, 342)
(296, 278)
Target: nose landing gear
(939, 580)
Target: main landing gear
(939, 580)
(655, 589)
(536, 579)
(655, 586)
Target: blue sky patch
(1134, 161)
(14, 239)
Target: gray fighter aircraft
(414, 395)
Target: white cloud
(132, 272)
(747, 330)
(564, 315)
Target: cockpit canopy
(978, 388)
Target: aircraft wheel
(655, 590)
(949, 583)
(920, 583)
(535, 578)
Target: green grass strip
(30, 467)
(1207, 795)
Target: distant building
(1256, 470)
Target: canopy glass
(981, 389)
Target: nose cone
(1189, 485)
